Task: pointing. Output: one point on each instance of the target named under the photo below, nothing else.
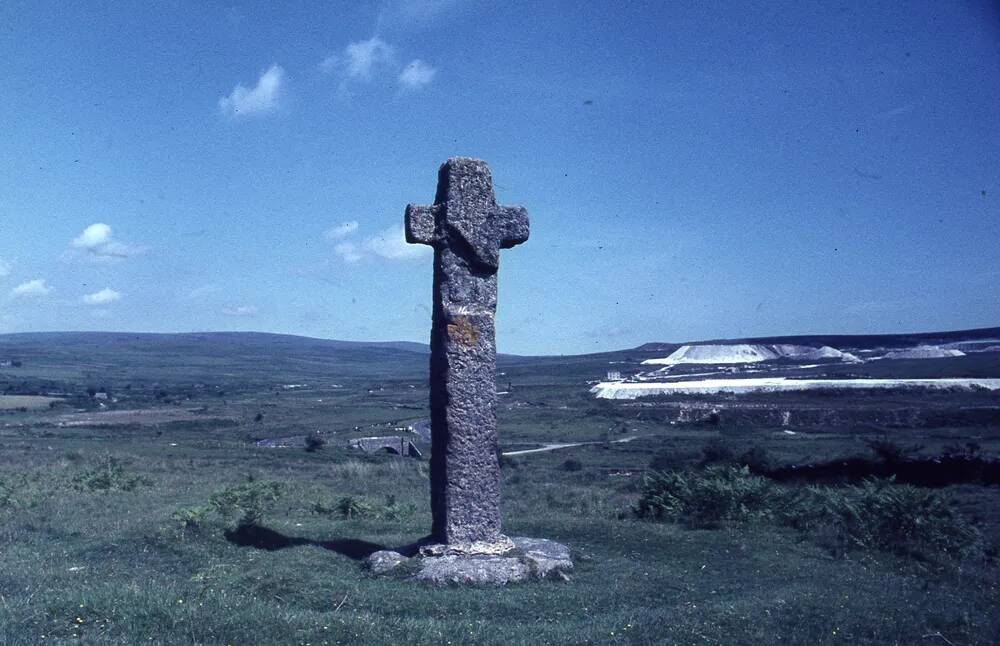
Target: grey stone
(384, 561)
(500, 546)
(546, 559)
(467, 228)
(482, 570)
(392, 443)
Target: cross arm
(421, 224)
(513, 226)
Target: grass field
(123, 528)
(8, 402)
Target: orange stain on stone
(462, 331)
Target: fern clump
(709, 497)
(109, 475)
(246, 502)
(875, 515)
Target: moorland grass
(128, 565)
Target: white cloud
(389, 244)
(329, 64)
(261, 99)
(98, 243)
(348, 252)
(4, 268)
(362, 57)
(241, 311)
(103, 297)
(416, 75)
(36, 287)
(93, 236)
(341, 230)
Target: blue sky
(690, 171)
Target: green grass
(30, 402)
(109, 565)
(117, 533)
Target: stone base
(514, 560)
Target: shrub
(706, 498)
(314, 442)
(247, 502)
(393, 510)
(756, 459)
(879, 514)
(109, 475)
(193, 517)
(716, 452)
(354, 507)
(876, 515)
(890, 452)
(572, 464)
(11, 494)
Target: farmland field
(8, 402)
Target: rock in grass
(482, 570)
(384, 561)
(545, 558)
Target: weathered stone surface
(501, 546)
(384, 561)
(545, 558)
(467, 228)
(483, 570)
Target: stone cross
(467, 228)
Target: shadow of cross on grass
(264, 538)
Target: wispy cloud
(97, 242)
(391, 244)
(261, 99)
(895, 112)
(362, 57)
(388, 244)
(103, 297)
(244, 311)
(416, 75)
(341, 230)
(31, 288)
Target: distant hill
(206, 357)
(843, 341)
(255, 358)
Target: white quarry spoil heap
(717, 354)
(624, 390)
(923, 352)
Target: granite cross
(467, 228)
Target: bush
(890, 452)
(876, 515)
(314, 442)
(572, 464)
(16, 494)
(879, 514)
(716, 452)
(353, 507)
(706, 498)
(193, 517)
(756, 459)
(110, 474)
(247, 502)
